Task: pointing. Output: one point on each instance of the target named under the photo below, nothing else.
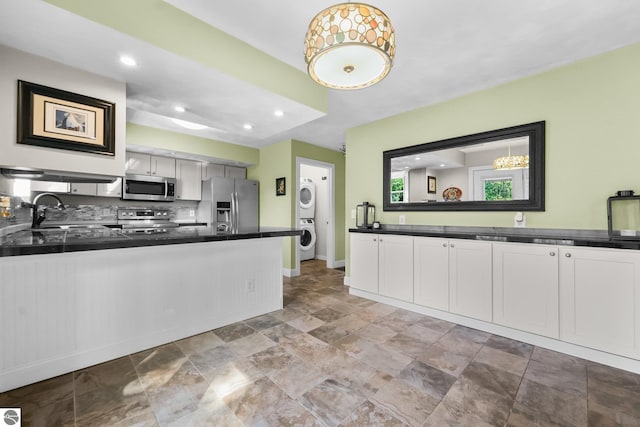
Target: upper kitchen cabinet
(188, 180)
(18, 65)
(146, 164)
(235, 172)
(210, 170)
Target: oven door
(142, 187)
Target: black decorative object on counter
(365, 215)
(623, 216)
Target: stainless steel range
(145, 221)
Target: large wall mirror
(498, 170)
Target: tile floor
(331, 359)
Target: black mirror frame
(536, 133)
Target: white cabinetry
(146, 164)
(235, 172)
(113, 189)
(364, 262)
(470, 279)
(382, 264)
(431, 272)
(395, 267)
(210, 170)
(600, 299)
(525, 287)
(188, 180)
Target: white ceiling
(445, 48)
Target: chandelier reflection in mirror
(511, 162)
(349, 46)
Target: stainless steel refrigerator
(230, 205)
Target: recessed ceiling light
(417, 158)
(128, 61)
(179, 108)
(278, 113)
(189, 125)
(442, 165)
(247, 126)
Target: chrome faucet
(41, 215)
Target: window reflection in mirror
(495, 170)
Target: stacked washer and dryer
(307, 215)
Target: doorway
(319, 179)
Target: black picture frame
(431, 185)
(281, 186)
(55, 118)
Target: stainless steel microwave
(143, 187)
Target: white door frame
(331, 227)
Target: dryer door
(306, 196)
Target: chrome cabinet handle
(452, 245)
(381, 239)
(444, 245)
(374, 239)
(568, 255)
(552, 253)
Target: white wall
(18, 65)
(316, 173)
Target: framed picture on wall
(431, 184)
(281, 186)
(55, 118)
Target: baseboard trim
(602, 357)
(288, 272)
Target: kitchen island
(70, 301)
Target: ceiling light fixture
(278, 113)
(511, 162)
(247, 126)
(189, 125)
(349, 46)
(128, 61)
(179, 109)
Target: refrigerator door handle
(234, 212)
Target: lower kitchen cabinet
(395, 267)
(382, 264)
(470, 279)
(600, 299)
(363, 273)
(525, 287)
(431, 272)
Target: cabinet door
(431, 272)
(86, 189)
(210, 170)
(138, 163)
(163, 166)
(395, 267)
(525, 287)
(113, 189)
(600, 299)
(47, 186)
(363, 269)
(470, 279)
(235, 172)
(188, 180)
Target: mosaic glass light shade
(511, 162)
(349, 46)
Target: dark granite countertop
(545, 236)
(44, 241)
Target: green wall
(180, 142)
(591, 109)
(279, 160)
(275, 162)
